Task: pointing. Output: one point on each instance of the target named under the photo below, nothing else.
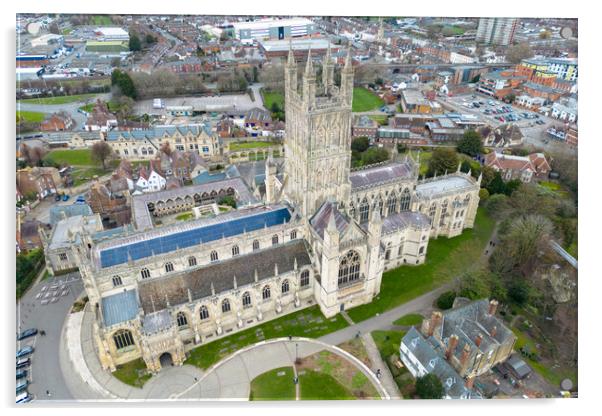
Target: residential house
(113, 207)
(100, 118)
(149, 180)
(364, 126)
(519, 167)
(57, 122)
(41, 181)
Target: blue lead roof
(120, 307)
(183, 239)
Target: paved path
(378, 364)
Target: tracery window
(123, 339)
(404, 202)
(349, 267)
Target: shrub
(446, 300)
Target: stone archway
(166, 360)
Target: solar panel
(184, 239)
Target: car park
(23, 352)
(23, 363)
(27, 333)
(21, 374)
(22, 385)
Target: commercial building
(280, 48)
(112, 34)
(496, 30)
(247, 32)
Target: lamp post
(296, 353)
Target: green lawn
(77, 157)
(82, 175)
(382, 120)
(270, 97)
(30, 116)
(101, 20)
(409, 320)
(388, 343)
(321, 386)
(235, 146)
(425, 157)
(184, 216)
(554, 188)
(365, 100)
(308, 323)
(276, 384)
(445, 259)
(113, 107)
(64, 99)
(133, 373)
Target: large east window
(123, 339)
(349, 267)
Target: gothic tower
(318, 134)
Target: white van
(23, 397)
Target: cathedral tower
(318, 134)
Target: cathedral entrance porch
(166, 360)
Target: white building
(496, 30)
(247, 32)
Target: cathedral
(321, 233)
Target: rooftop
(432, 188)
(382, 174)
(119, 307)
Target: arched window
(352, 210)
(467, 199)
(203, 312)
(364, 210)
(404, 202)
(182, 320)
(432, 211)
(349, 267)
(274, 239)
(214, 255)
(378, 204)
(443, 212)
(285, 287)
(293, 234)
(391, 204)
(246, 300)
(304, 278)
(117, 281)
(192, 261)
(265, 293)
(145, 273)
(123, 339)
(225, 306)
(256, 245)
(169, 267)
(235, 251)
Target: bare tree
(518, 52)
(101, 152)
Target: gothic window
(388, 254)
(145, 273)
(274, 239)
(256, 245)
(246, 300)
(421, 251)
(304, 278)
(391, 204)
(235, 251)
(380, 206)
(265, 293)
(182, 320)
(203, 312)
(349, 267)
(443, 212)
(352, 211)
(293, 234)
(192, 261)
(285, 287)
(364, 211)
(63, 256)
(225, 306)
(467, 199)
(169, 267)
(213, 255)
(123, 339)
(404, 202)
(432, 211)
(117, 281)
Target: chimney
(465, 355)
(492, 307)
(478, 340)
(493, 331)
(435, 320)
(469, 382)
(451, 346)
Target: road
(45, 373)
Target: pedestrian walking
(378, 373)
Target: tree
(54, 28)
(470, 144)
(519, 291)
(509, 98)
(497, 185)
(101, 152)
(150, 39)
(497, 206)
(516, 53)
(429, 387)
(360, 144)
(374, 155)
(446, 300)
(545, 34)
(135, 44)
(228, 200)
(483, 195)
(444, 159)
(124, 83)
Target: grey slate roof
(154, 293)
(320, 220)
(158, 132)
(381, 174)
(119, 307)
(156, 322)
(402, 220)
(56, 211)
(434, 188)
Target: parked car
(24, 351)
(23, 362)
(23, 397)
(80, 200)
(22, 385)
(21, 374)
(57, 197)
(27, 333)
(66, 197)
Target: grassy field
(382, 120)
(388, 343)
(276, 384)
(65, 99)
(445, 259)
(409, 320)
(235, 146)
(425, 157)
(184, 216)
(308, 323)
(113, 107)
(321, 386)
(31, 116)
(101, 20)
(133, 373)
(554, 188)
(76, 157)
(365, 100)
(271, 97)
(81, 175)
